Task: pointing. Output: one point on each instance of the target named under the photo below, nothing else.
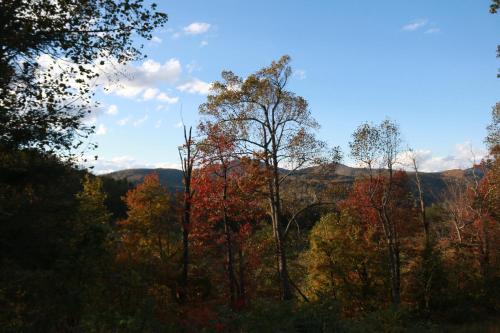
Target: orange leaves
(147, 195)
(147, 231)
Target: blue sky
(429, 65)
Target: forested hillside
(435, 183)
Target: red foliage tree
(225, 208)
(392, 216)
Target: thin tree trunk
(423, 216)
(457, 229)
(485, 250)
(186, 220)
(229, 245)
(185, 259)
(241, 284)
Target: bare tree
(421, 199)
(187, 154)
(272, 125)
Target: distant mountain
(434, 182)
(171, 178)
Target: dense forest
(263, 229)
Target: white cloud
(167, 165)
(150, 93)
(123, 121)
(463, 157)
(158, 124)
(139, 121)
(179, 124)
(196, 28)
(300, 74)
(156, 39)
(415, 25)
(165, 98)
(103, 166)
(112, 110)
(101, 130)
(133, 80)
(195, 86)
(203, 43)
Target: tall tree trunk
(421, 202)
(396, 278)
(286, 291)
(230, 265)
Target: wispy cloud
(192, 66)
(156, 39)
(424, 25)
(300, 74)
(123, 121)
(432, 31)
(139, 121)
(415, 25)
(112, 110)
(203, 43)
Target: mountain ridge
(433, 182)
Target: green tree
(92, 202)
